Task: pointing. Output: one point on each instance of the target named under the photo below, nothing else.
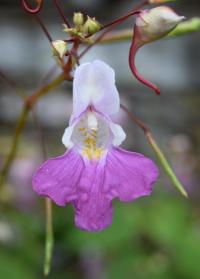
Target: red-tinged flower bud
(156, 23)
(151, 25)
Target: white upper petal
(94, 84)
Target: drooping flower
(94, 170)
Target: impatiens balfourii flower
(94, 170)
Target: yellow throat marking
(90, 149)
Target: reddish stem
(60, 10)
(27, 7)
(139, 122)
(98, 39)
(132, 53)
(109, 27)
(74, 50)
(134, 11)
(121, 19)
(44, 28)
(113, 24)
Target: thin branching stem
(61, 12)
(14, 145)
(108, 28)
(46, 32)
(184, 28)
(49, 241)
(160, 156)
(121, 19)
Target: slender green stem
(49, 240)
(166, 166)
(187, 27)
(161, 157)
(11, 155)
(45, 89)
(49, 237)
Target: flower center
(91, 136)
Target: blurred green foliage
(154, 238)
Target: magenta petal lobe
(91, 185)
(93, 211)
(58, 178)
(129, 175)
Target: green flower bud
(91, 26)
(78, 19)
(59, 48)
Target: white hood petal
(94, 84)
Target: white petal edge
(66, 138)
(118, 134)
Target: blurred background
(156, 237)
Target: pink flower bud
(156, 23)
(151, 25)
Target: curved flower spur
(94, 170)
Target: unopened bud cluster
(83, 28)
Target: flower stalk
(160, 156)
(61, 12)
(165, 165)
(46, 32)
(49, 239)
(184, 28)
(14, 145)
(121, 19)
(132, 53)
(49, 243)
